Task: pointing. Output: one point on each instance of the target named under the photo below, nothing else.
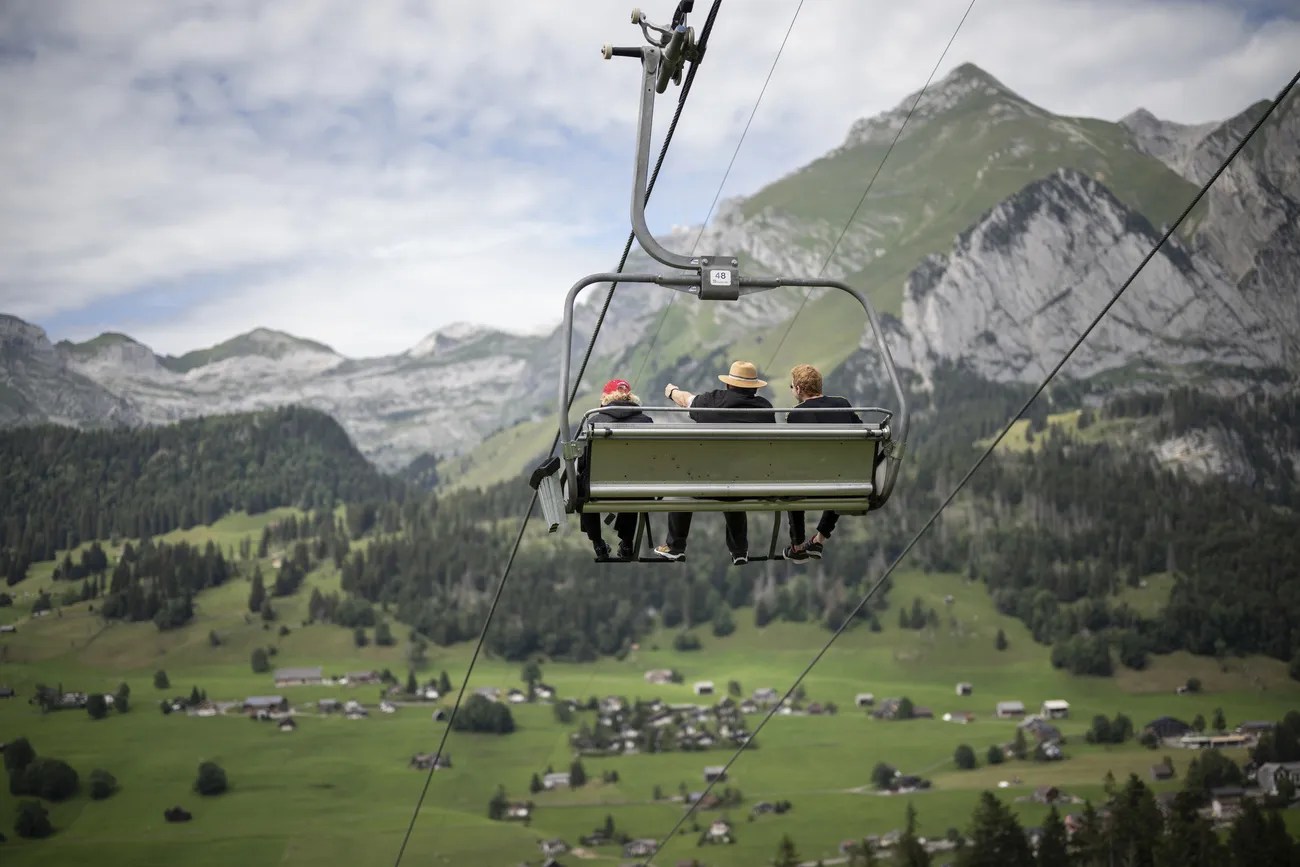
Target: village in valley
(721, 721)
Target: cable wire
(532, 503)
(808, 292)
(717, 195)
(989, 451)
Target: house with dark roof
(299, 676)
(1270, 774)
(1167, 727)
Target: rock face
(38, 385)
(1021, 285)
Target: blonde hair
(806, 379)
(606, 399)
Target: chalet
(266, 703)
(556, 780)
(1047, 795)
(1212, 742)
(919, 712)
(1272, 773)
(8, 627)
(426, 761)
(288, 725)
(7, 692)
(299, 676)
(552, 848)
(430, 693)
(356, 713)
(748, 706)
(715, 773)
(719, 831)
(516, 696)
(329, 705)
(704, 687)
(963, 717)
(1162, 771)
(639, 848)
(1056, 708)
(491, 693)
(546, 692)
(357, 678)
(964, 689)
(765, 695)
(659, 676)
(1009, 709)
(1043, 731)
(1225, 801)
(387, 707)
(816, 709)
(1255, 727)
(1166, 727)
(613, 703)
(518, 811)
(762, 807)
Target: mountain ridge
(961, 171)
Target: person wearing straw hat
(618, 405)
(741, 393)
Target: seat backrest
(770, 465)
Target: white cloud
(364, 173)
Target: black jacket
(621, 412)
(729, 398)
(824, 410)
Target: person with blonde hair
(814, 408)
(618, 406)
(741, 393)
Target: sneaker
(625, 551)
(601, 549)
(739, 559)
(796, 555)
(814, 550)
(669, 554)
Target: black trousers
(825, 526)
(624, 526)
(679, 525)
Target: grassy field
(340, 791)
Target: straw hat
(743, 375)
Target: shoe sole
(673, 557)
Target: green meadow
(340, 791)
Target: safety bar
(843, 505)
(737, 432)
(731, 489)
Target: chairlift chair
(686, 467)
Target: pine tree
(577, 774)
(1001, 641)
(411, 686)
(160, 680)
(910, 851)
(257, 595)
(1053, 846)
(997, 840)
(786, 854)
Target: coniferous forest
(63, 487)
(1053, 530)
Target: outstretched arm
(678, 396)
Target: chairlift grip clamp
(719, 278)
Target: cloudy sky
(365, 173)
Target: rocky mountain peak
(1020, 285)
(967, 84)
(448, 339)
